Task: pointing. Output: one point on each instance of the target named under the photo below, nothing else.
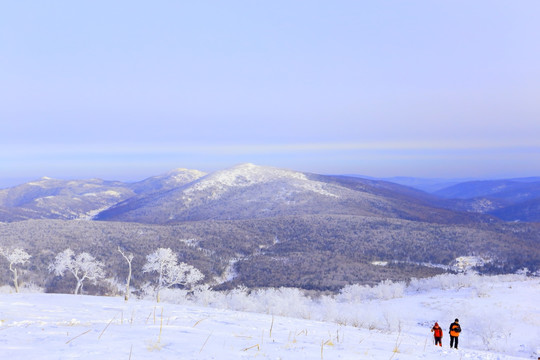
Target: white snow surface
(182, 175)
(105, 193)
(57, 326)
(41, 182)
(245, 175)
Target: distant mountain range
(248, 191)
(48, 198)
(516, 199)
(263, 226)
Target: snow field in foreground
(57, 326)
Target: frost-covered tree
(129, 259)
(83, 267)
(170, 272)
(15, 257)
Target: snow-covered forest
(499, 316)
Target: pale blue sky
(129, 89)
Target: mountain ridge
(259, 226)
(252, 191)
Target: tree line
(84, 267)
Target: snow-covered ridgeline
(245, 175)
(176, 177)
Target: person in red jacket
(437, 333)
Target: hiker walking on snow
(437, 333)
(455, 329)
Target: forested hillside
(311, 252)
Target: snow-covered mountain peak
(174, 178)
(182, 175)
(42, 182)
(248, 174)
(164, 182)
(184, 171)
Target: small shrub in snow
(354, 293)
(239, 299)
(147, 291)
(389, 290)
(31, 288)
(384, 291)
(283, 301)
(203, 295)
(367, 317)
(328, 309)
(170, 272)
(6, 289)
(392, 320)
(175, 296)
(114, 287)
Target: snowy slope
(52, 326)
(48, 198)
(170, 180)
(246, 175)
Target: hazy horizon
(128, 89)
(132, 178)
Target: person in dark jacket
(455, 330)
(437, 333)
